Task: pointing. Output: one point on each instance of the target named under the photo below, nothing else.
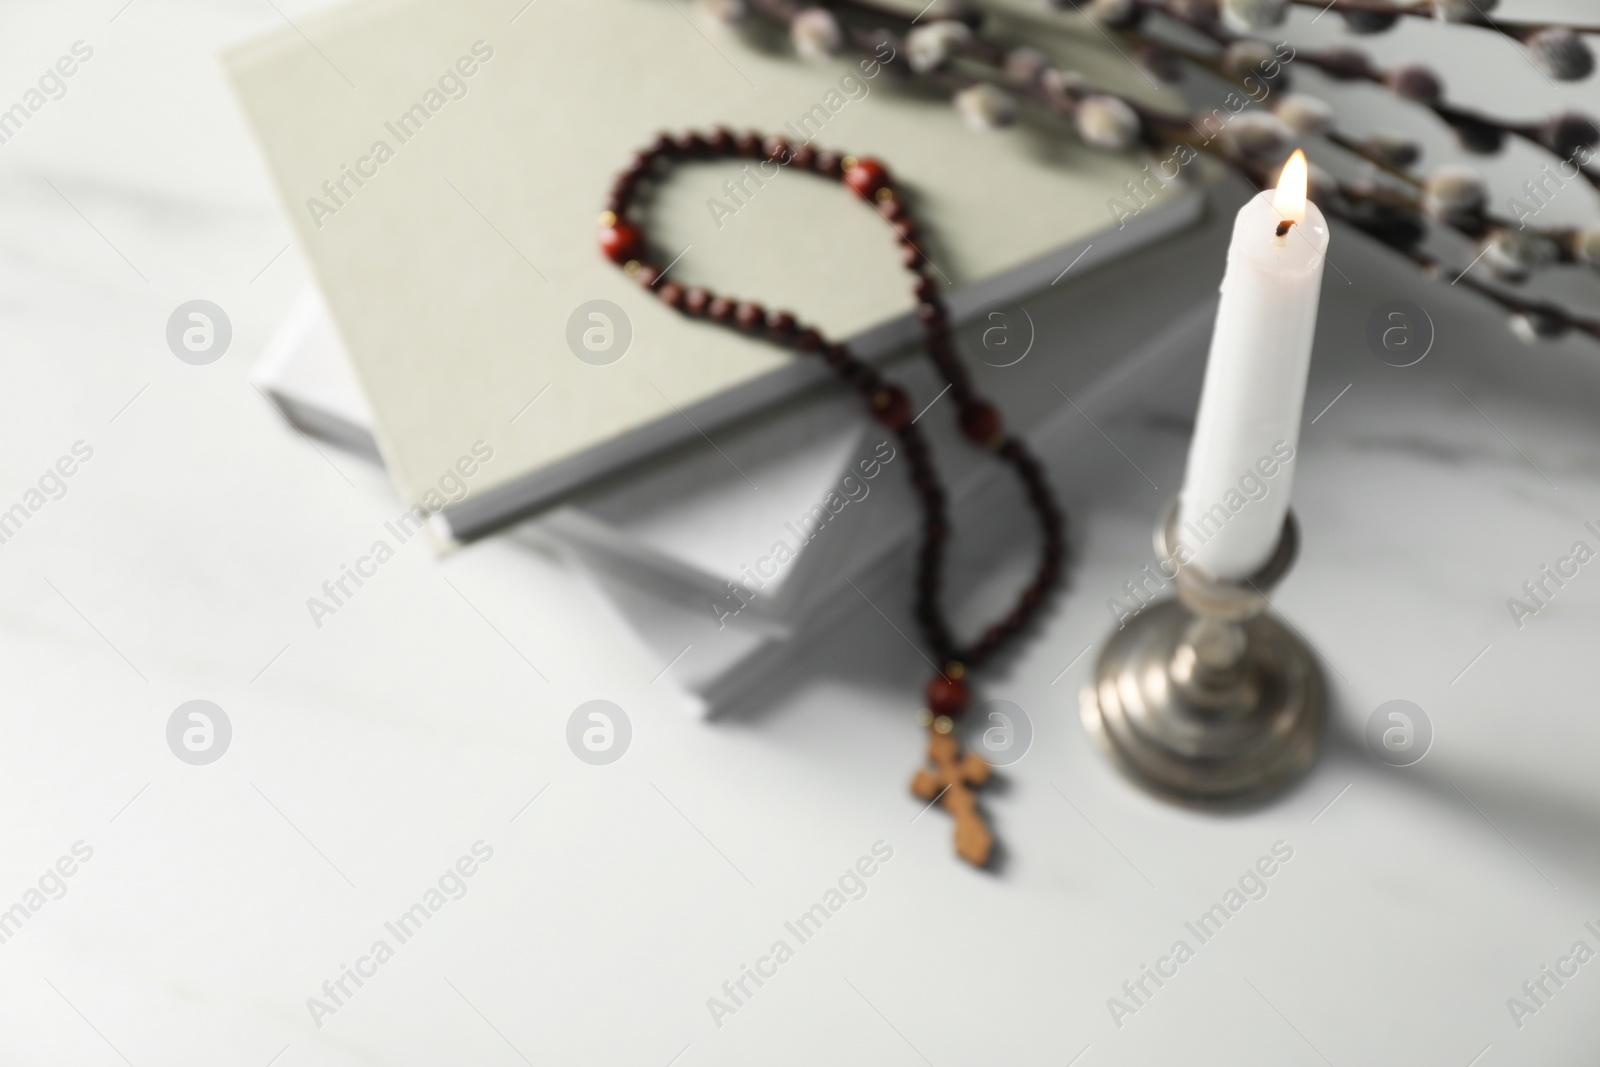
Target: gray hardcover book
(443, 161)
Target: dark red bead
(620, 242)
(721, 140)
(804, 157)
(720, 309)
(749, 315)
(867, 177)
(671, 294)
(780, 323)
(661, 145)
(827, 164)
(891, 209)
(748, 144)
(979, 422)
(696, 300)
(689, 143)
(809, 340)
(777, 148)
(905, 229)
(648, 275)
(891, 407)
(947, 696)
(927, 290)
(910, 256)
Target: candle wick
(1283, 227)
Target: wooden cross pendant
(952, 779)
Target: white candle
(1241, 462)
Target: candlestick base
(1209, 700)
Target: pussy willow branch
(1341, 64)
(1560, 237)
(1394, 216)
(1344, 64)
(987, 57)
(1517, 30)
(1511, 302)
(1384, 214)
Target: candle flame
(1289, 200)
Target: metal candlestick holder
(1209, 700)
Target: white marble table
(368, 756)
